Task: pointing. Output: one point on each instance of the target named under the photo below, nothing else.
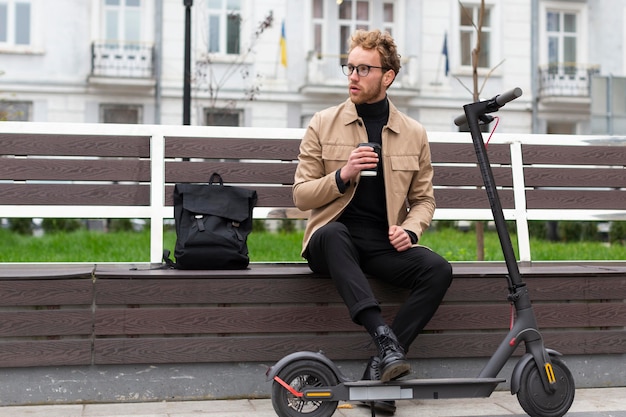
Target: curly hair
(382, 42)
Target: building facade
(273, 63)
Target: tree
(476, 91)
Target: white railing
(157, 212)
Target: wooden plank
(268, 196)
(45, 292)
(334, 318)
(74, 145)
(37, 271)
(462, 176)
(70, 292)
(471, 198)
(336, 346)
(76, 194)
(231, 148)
(46, 323)
(300, 285)
(23, 169)
(575, 199)
(232, 173)
(574, 177)
(26, 353)
(573, 155)
(463, 153)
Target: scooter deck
(406, 389)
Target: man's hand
(360, 158)
(399, 238)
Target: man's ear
(388, 77)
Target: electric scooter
(309, 384)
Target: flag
(444, 51)
(283, 46)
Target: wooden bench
(106, 314)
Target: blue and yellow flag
(283, 46)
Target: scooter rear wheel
(300, 375)
(536, 401)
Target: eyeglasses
(362, 70)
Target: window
(15, 22)
(388, 17)
(16, 111)
(561, 32)
(318, 26)
(122, 20)
(353, 15)
(217, 117)
(469, 17)
(119, 113)
(224, 26)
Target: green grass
(84, 246)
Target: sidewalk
(596, 402)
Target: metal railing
(566, 79)
(122, 59)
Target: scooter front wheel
(300, 375)
(533, 397)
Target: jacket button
(359, 123)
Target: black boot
(372, 373)
(393, 363)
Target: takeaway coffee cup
(373, 171)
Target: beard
(363, 96)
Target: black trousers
(348, 255)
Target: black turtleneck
(368, 207)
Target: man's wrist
(342, 186)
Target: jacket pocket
(336, 152)
(405, 162)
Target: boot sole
(385, 407)
(396, 370)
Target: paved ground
(601, 402)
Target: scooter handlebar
(495, 103)
(510, 95)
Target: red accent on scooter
(288, 387)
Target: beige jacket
(331, 136)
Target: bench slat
(76, 194)
(575, 199)
(471, 198)
(294, 289)
(463, 153)
(46, 292)
(336, 346)
(232, 172)
(231, 148)
(25, 353)
(75, 170)
(572, 177)
(462, 176)
(267, 196)
(574, 155)
(334, 318)
(46, 323)
(74, 145)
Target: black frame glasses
(361, 70)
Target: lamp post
(187, 70)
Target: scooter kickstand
(373, 409)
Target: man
(371, 224)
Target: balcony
(566, 81)
(125, 63)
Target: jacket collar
(350, 115)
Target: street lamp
(187, 70)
